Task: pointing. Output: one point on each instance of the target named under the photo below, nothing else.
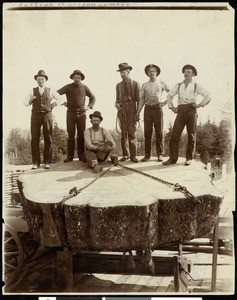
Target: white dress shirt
(188, 94)
(53, 95)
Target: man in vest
(98, 143)
(76, 93)
(187, 92)
(153, 113)
(41, 100)
(128, 93)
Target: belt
(128, 101)
(152, 106)
(186, 105)
(76, 110)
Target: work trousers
(38, 120)
(128, 128)
(93, 156)
(187, 116)
(153, 116)
(76, 120)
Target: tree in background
(18, 146)
(213, 141)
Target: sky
(97, 41)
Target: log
(121, 210)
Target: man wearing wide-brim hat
(41, 98)
(76, 93)
(187, 92)
(128, 93)
(153, 113)
(98, 143)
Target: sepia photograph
(118, 150)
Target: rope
(176, 186)
(126, 122)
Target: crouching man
(98, 143)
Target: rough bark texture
(122, 210)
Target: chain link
(176, 186)
(75, 191)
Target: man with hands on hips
(187, 92)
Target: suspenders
(195, 87)
(103, 133)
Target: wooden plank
(64, 270)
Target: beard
(95, 126)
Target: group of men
(95, 144)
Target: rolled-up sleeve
(205, 94)
(27, 99)
(109, 137)
(165, 86)
(56, 96)
(87, 139)
(91, 97)
(171, 94)
(142, 98)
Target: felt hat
(41, 73)
(96, 114)
(190, 67)
(77, 72)
(124, 66)
(152, 66)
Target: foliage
(213, 141)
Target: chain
(176, 186)
(75, 191)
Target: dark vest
(42, 102)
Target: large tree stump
(120, 211)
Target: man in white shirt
(187, 92)
(153, 113)
(41, 100)
(98, 143)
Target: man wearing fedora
(76, 93)
(41, 100)
(98, 143)
(153, 112)
(187, 92)
(128, 93)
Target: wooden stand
(65, 270)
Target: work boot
(114, 159)
(34, 167)
(145, 158)
(123, 158)
(134, 159)
(160, 158)
(81, 158)
(47, 166)
(169, 162)
(67, 159)
(97, 169)
(188, 162)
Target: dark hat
(190, 67)
(152, 66)
(41, 73)
(124, 66)
(96, 114)
(78, 72)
